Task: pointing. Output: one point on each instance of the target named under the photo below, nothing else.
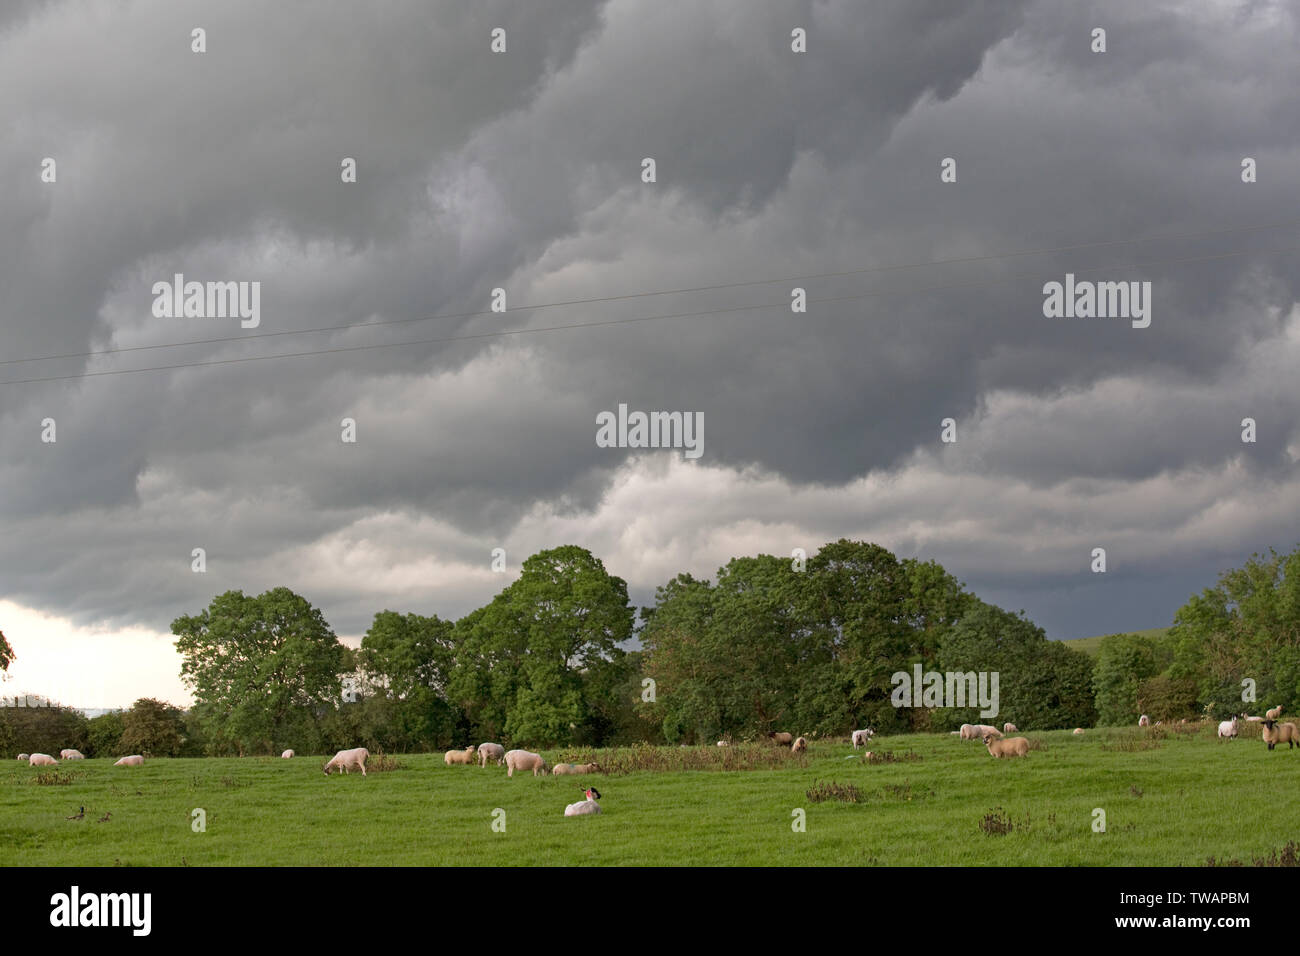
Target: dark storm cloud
(522, 171)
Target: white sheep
(722, 743)
(575, 768)
(23, 756)
(799, 746)
(354, 759)
(465, 756)
(1284, 734)
(287, 755)
(1078, 730)
(41, 760)
(488, 752)
(1253, 720)
(525, 760)
(1009, 728)
(1144, 721)
(1274, 713)
(862, 737)
(135, 760)
(1228, 728)
(71, 755)
(584, 807)
(1010, 747)
(782, 738)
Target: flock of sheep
(45, 760)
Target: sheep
(584, 807)
(967, 732)
(1144, 721)
(1253, 720)
(782, 738)
(287, 755)
(799, 746)
(722, 743)
(135, 760)
(465, 756)
(524, 760)
(344, 760)
(1284, 733)
(1078, 730)
(41, 760)
(572, 768)
(1228, 728)
(23, 756)
(71, 755)
(1009, 728)
(1274, 713)
(1010, 747)
(862, 737)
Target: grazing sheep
(345, 760)
(1283, 734)
(1228, 728)
(1078, 730)
(287, 755)
(1144, 721)
(799, 746)
(465, 756)
(488, 752)
(41, 760)
(584, 807)
(524, 760)
(782, 738)
(71, 755)
(135, 760)
(1274, 713)
(23, 756)
(862, 737)
(967, 732)
(1009, 728)
(1010, 747)
(578, 768)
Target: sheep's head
(1269, 724)
(592, 793)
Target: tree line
(806, 644)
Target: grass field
(1092, 645)
(1183, 800)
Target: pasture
(1170, 799)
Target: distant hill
(1091, 645)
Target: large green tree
(152, 727)
(259, 666)
(1124, 662)
(408, 659)
(538, 664)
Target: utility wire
(642, 295)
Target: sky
(522, 170)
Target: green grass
(1199, 798)
(1091, 645)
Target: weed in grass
(1131, 742)
(55, 778)
(997, 822)
(381, 762)
(1135, 791)
(844, 792)
(1289, 855)
(888, 756)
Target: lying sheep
(524, 760)
(490, 751)
(1010, 747)
(1144, 721)
(799, 746)
(465, 756)
(135, 760)
(71, 755)
(1253, 720)
(584, 807)
(345, 760)
(578, 768)
(1283, 734)
(1228, 728)
(1274, 713)
(782, 738)
(862, 737)
(287, 755)
(1009, 728)
(41, 760)
(1078, 730)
